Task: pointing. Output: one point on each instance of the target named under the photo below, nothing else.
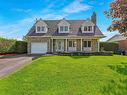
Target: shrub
(106, 53)
(21, 47)
(109, 46)
(12, 46)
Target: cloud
(20, 28)
(76, 7)
(22, 10)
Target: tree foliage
(118, 13)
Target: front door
(60, 45)
(72, 46)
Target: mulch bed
(7, 55)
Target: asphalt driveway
(12, 63)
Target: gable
(40, 23)
(63, 22)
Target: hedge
(12, 46)
(109, 46)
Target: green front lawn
(69, 75)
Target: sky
(18, 16)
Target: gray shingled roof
(75, 29)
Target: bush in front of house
(21, 47)
(109, 46)
(104, 53)
(12, 46)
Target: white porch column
(52, 45)
(98, 45)
(66, 46)
(81, 44)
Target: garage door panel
(38, 48)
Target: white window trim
(87, 29)
(45, 29)
(87, 43)
(63, 31)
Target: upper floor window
(64, 29)
(40, 29)
(87, 29)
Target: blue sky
(17, 16)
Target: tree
(118, 13)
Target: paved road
(10, 64)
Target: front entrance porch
(74, 45)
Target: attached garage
(39, 48)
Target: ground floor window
(86, 43)
(72, 43)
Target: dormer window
(64, 29)
(40, 29)
(85, 28)
(88, 29)
(63, 26)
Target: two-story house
(64, 36)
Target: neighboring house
(64, 36)
(122, 40)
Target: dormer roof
(74, 29)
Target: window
(89, 28)
(64, 28)
(85, 28)
(40, 29)
(61, 28)
(72, 43)
(87, 44)
(59, 45)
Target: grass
(69, 75)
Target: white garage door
(38, 48)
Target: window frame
(73, 44)
(87, 44)
(65, 29)
(88, 29)
(44, 29)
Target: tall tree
(118, 13)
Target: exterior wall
(52, 42)
(28, 47)
(123, 44)
(95, 45)
(78, 45)
(37, 39)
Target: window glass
(66, 28)
(85, 28)
(61, 28)
(89, 43)
(42, 28)
(70, 43)
(74, 43)
(38, 28)
(59, 45)
(84, 43)
(89, 28)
